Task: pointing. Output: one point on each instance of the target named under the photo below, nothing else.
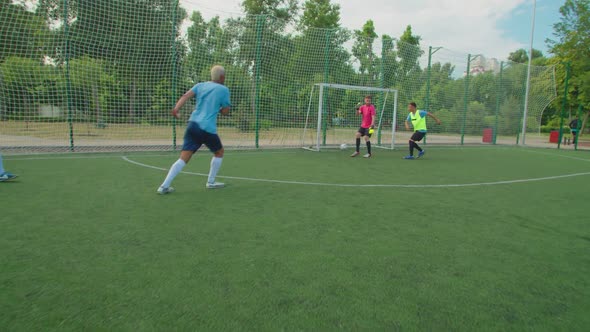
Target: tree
(320, 47)
(320, 14)
(363, 50)
(441, 96)
(91, 82)
(572, 44)
(284, 10)
(388, 60)
(521, 56)
(408, 71)
(137, 40)
(22, 33)
(209, 43)
(23, 82)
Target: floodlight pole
(528, 77)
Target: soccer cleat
(215, 185)
(6, 176)
(421, 154)
(409, 157)
(356, 153)
(164, 191)
(368, 155)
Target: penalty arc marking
(327, 184)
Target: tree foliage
(24, 34)
(320, 14)
(125, 59)
(571, 43)
(521, 55)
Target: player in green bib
(418, 121)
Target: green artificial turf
(338, 244)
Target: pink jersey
(368, 111)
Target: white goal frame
(348, 87)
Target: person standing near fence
(574, 128)
(418, 121)
(212, 99)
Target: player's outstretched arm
(434, 117)
(185, 97)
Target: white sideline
(372, 185)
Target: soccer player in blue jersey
(4, 175)
(212, 98)
(418, 121)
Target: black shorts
(194, 137)
(418, 136)
(364, 132)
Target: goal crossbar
(353, 87)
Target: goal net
(332, 118)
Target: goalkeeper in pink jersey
(367, 111)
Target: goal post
(331, 118)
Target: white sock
(1, 165)
(174, 170)
(215, 164)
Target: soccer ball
(343, 146)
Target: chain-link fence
(104, 75)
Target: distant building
(481, 65)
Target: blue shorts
(194, 137)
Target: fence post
(521, 121)
(326, 78)
(382, 84)
(578, 127)
(431, 51)
(465, 98)
(67, 74)
(174, 71)
(259, 26)
(428, 75)
(564, 103)
(498, 94)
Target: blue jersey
(211, 97)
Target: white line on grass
(108, 155)
(558, 155)
(371, 185)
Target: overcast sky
(490, 27)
